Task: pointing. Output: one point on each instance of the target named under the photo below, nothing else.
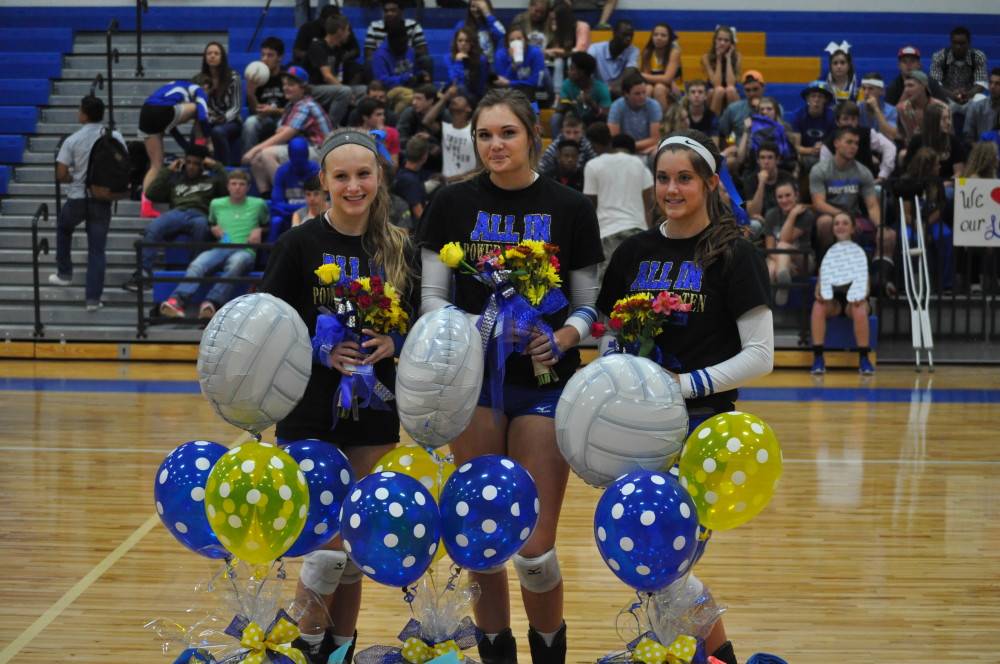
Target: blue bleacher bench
(29, 91)
(20, 119)
(163, 289)
(11, 149)
(56, 40)
(32, 65)
(840, 333)
(4, 179)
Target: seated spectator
(617, 57)
(372, 114)
(533, 22)
(288, 194)
(844, 229)
(842, 184)
(674, 118)
(760, 188)
(660, 65)
(960, 70)
(188, 185)
(700, 115)
(982, 115)
(489, 29)
(334, 70)
(908, 60)
(376, 34)
(265, 102)
(411, 177)
(302, 117)
(565, 35)
(568, 171)
(936, 133)
(234, 219)
(466, 65)
(411, 120)
(314, 30)
(225, 101)
(375, 90)
(621, 187)
(876, 152)
(766, 125)
(316, 202)
(636, 115)
(522, 66)
(599, 137)
(873, 112)
(171, 105)
(813, 122)
(914, 102)
(788, 225)
(581, 94)
(572, 130)
(458, 149)
(722, 67)
(394, 63)
(841, 80)
(731, 124)
(984, 160)
(922, 184)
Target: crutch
(917, 283)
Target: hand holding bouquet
(636, 320)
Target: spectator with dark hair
(814, 122)
(411, 120)
(334, 71)
(467, 66)
(265, 102)
(225, 100)
(982, 115)
(521, 65)
(936, 134)
(72, 164)
(876, 152)
(722, 66)
(873, 112)
(960, 70)
(922, 184)
(564, 35)
(700, 115)
(660, 65)
(376, 34)
(731, 122)
(188, 185)
(458, 149)
(372, 114)
(759, 188)
(636, 115)
(234, 219)
(616, 57)
(568, 171)
(316, 202)
(572, 130)
(914, 103)
(288, 193)
(599, 136)
(394, 62)
(908, 59)
(489, 29)
(314, 30)
(411, 177)
(788, 225)
(841, 79)
(582, 95)
(376, 90)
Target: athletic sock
(818, 351)
(313, 639)
(863, 353)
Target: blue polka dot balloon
(330, 478)
(179, 493)
(390, 526)
(489, 508)
(646, 527)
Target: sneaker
(57, 280)
(207, 310)
(172, 309)
(133, 284)
(782, 280)
(147, 211)
(865, 367)
(318, 653)
(819, 366)
(602, 26)
(94, 306)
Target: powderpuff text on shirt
(685, 282)
(349, 271)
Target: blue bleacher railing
(38, 246)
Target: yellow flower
(390, 291)
(328, 273)
(537, 248)
(451, 254)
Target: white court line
(81, 586)
(30, 448)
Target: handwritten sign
(977, 213)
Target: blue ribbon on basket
(508, 314)
(465, 636)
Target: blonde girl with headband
(356, 233)
(503, 204)
(698, 253)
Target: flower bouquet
(365, 303)
(525, 282)
(636, 320)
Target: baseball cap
(753, 75)
(918, 75)
(298, 73)
(818, 86)
(908, 50)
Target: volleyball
(620, 414)
(257, 72)
(254, 361)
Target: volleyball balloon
(439, 377)
(257, 72)
(254, 361)
(620, 414)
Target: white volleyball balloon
(254, 361)
(439, 376)
(618, 414)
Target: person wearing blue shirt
(288, 194)
(616, 57)
(394, 63)
(171, 105)
(467, 67)
(488, 27)
(875, 113)
(814, 122)
(522, 66)
(636, 115)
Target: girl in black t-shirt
(699, 254)
(506, 203)
(356, 234)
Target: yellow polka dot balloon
(731, 466)
(257, 501)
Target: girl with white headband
(698, 253)
(356, 234)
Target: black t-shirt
(321, 54)
(708, 125)
(770, 200)
(707, 335)
(271, 93)
(955, 154)
(290, 276)
(481, 216)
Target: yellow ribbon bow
(418, 652)
(442, 649)
(650, 651)
(279, 639)
(683, 648)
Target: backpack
(109, 169)
(765, 129)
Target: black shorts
(157, 120)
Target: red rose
(376, 282)
(597, 330)
(338, 291)
(385, 303)
(615, 324)
(364, 301)
(355, 288)
(377, 289)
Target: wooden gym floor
(882, 543)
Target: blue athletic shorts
(519, 400)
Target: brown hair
(983, 161)
(520, 106)
(713, 58)
(723, 231)
(646, 60)
(238, 174)
(930, 128)
(475, 53)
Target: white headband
(873, 82)
(694, 145)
